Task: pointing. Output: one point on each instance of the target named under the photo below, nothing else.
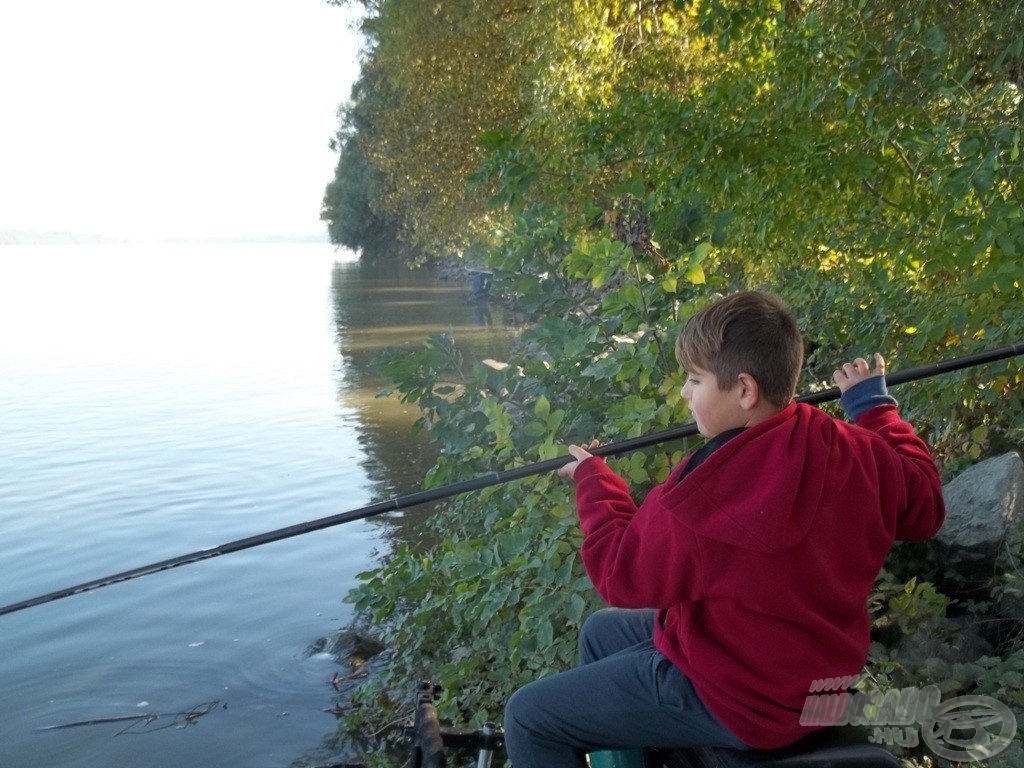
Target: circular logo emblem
(969, 728)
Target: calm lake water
(156, 400)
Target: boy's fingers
(860, 366)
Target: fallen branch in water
(180, 719)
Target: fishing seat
(840, 747)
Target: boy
(744, 577)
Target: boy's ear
(750, 391)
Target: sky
(183, 119)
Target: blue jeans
(625, 694)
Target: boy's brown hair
(747, 332)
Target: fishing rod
(484, 481)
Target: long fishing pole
(484, 481)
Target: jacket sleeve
(909, 472)
(630, 565)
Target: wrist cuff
(864, 396)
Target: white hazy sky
(191, 118)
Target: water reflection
(377, 306)
(380, 306)
(159, 400)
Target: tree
(862, 159)
(351, 205)
(437, 75)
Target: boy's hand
(579, 454)
(857, 371)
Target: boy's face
(715, 410)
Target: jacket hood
(771, 518)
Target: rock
(984, 507)
(317, 646)
(355, 646)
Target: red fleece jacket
(760, 561)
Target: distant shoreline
(32, 237)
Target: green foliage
(625, 163)
(347, 209)
(910, 607)
(501, 598)
(435, 76)
(922, 647)
(354, 208)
